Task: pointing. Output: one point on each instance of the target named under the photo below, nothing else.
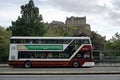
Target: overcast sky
(102, 15)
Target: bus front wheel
(76, 64)
(27, 64)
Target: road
(59, 77)
(59, 71)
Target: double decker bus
(50, 52)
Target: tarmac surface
(60, 77)
(6, 70)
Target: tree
(30, 23)
(97, 40)
(113, 43)
(116, 37)
(4, 44)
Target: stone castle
(75, 25)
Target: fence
(107, 58)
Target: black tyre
(27, 64)
(76, 64)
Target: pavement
(4, 65)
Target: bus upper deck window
(15, 41)
(36, 41)
(23, 41)
(12, 41)
(86, 41)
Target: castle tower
(80, 24)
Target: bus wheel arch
(27, 64)
(75, 64)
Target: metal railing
(107, 57)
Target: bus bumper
(88, 64)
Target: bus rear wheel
(27, 64)
(75, 64)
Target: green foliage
(61, 30)
(57, 30)
(108, 45)
(54, 31)
(30, 23)
(113, 43)
(4, 44)
(97, 40)
(73, 30)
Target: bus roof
(21, 37)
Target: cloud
(116, 4)
(113, 16)
(102, 15)
(77, 6)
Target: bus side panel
(16, 63)
(49, 63)
(40, 63)
(52, 63)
